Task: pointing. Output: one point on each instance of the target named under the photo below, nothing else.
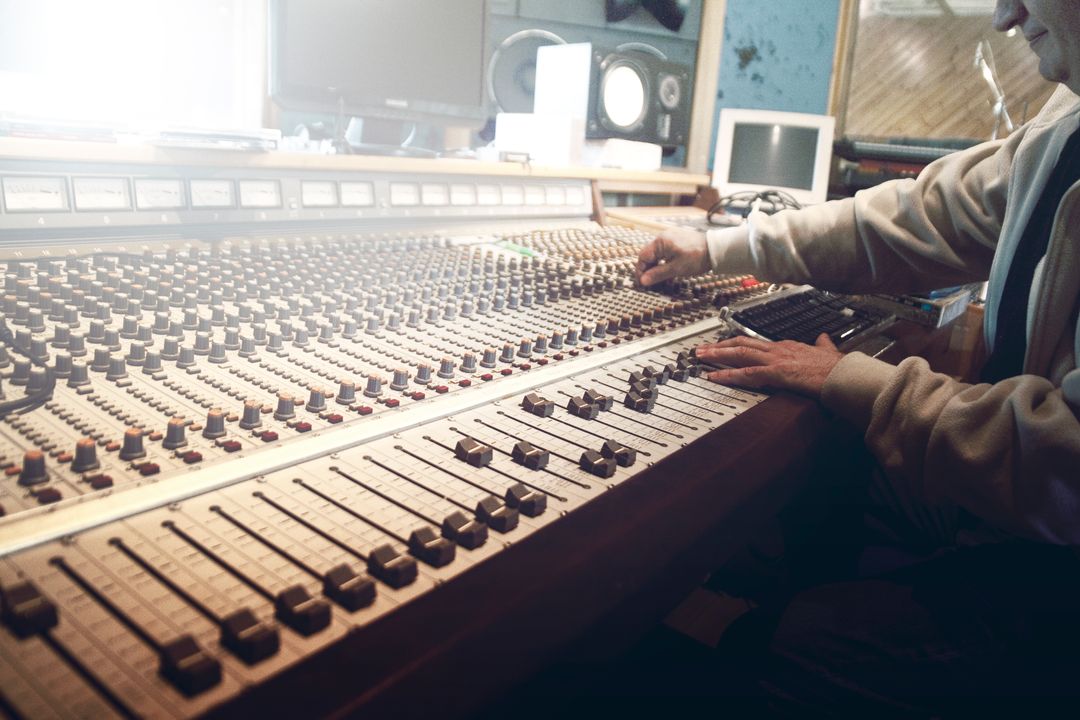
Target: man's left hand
(784, 365)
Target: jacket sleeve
(902, 236)
(1008, 453)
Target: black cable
(742, 203)
(33, 400)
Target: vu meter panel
(220, 459)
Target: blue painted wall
(777, 55)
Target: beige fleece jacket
(1008, 453)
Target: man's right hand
(673, 253)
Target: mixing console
(222, 458)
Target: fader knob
(346, 393)
(252, 417)
(374, 386)
(33, 468)
(285, 407)
(132, 447)
(85, 456)
(175, 434)
(401, 379)
(215, 424)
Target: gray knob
(152, 363)
(117, 369)
(488, 359)
(285, 407)
(401, 379)
(252, 417)
(374, 386)
(79, 374)
(346, 393)
(175, 434)
(132, 447)
(316, 400)
(468, 363)
(217, 353)
(446, 368)
(85, 458)
(423, 374)
(215, 424)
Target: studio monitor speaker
(511, 70)
(637, 95)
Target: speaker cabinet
(636, 95)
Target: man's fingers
(737, 341)
(736, 355)
(755, 376)
(824, 341)
(657, 273)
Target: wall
(777, 55)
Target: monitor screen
(761, 150)
(413, 60)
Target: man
(994, 461)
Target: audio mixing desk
(314, 441)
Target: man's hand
(785, 365)
(673, 253)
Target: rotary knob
(152, 363)
(423, 374)
(252, 417)
(62, 368)
(136, 355)
(215, 424)
(401, 379)
(132, 447)
(507, 355)
(346, 393)
(175, 434)
(117, 369)
(316, 400)
(446, 368)
(85, 458)
(488, 359)
(79, 374)
(468, 363)
(102, 356)
(374, 386)
(525, 348)
(33, 468)
(285, 407)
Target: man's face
(1052, 29)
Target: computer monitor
(414, 61)
(759, 150)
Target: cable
(33, 400)
(743, 203)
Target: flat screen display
(773, 155)
(399, 59)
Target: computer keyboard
(803, 313)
